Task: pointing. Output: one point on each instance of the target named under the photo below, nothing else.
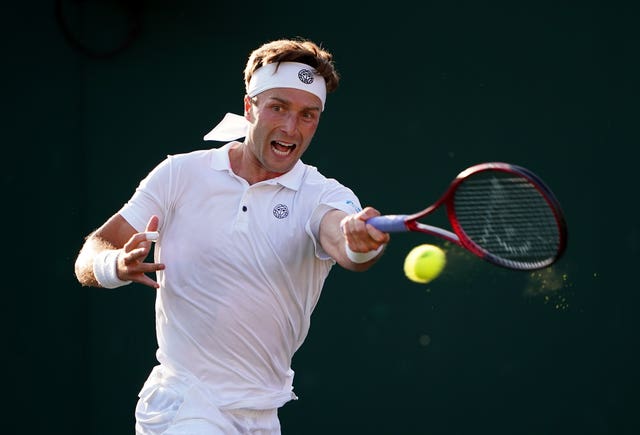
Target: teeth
(282, 153)
(288, 146)
(283, 144)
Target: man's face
(283, 122)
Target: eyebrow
(287, 102)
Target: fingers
(133, 267)
(152, 224)
(141, 240)
(374, 233)
(367, 213)
(151, 235)
(360, 236)
(136, 251)
(145, 238)
(134, 260)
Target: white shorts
(169, 405)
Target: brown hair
(294, 50)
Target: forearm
(84, 262)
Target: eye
(309, 116)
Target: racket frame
(397, 223)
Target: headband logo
(305, 76)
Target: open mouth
(282, 148)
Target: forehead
(294, 97)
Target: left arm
(338, 229)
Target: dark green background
(428, 89)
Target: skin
(283, 123)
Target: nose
(289, 123)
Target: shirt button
(244, 208)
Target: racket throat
(439, 232)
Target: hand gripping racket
(502, 213)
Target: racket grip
(390, 223)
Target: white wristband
(362, 257)
(105, 269)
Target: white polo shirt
(243, 272)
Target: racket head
(506, 215)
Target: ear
(247, 108)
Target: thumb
(153, 223)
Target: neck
(245, 165)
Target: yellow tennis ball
(424, 263)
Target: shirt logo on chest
(281, 211)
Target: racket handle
(390, 223)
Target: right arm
(118, 235)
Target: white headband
(273, 75)
(287, 75)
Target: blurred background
(97, 92)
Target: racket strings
(508, 217)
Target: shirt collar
(291, 180)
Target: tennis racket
(503, 213)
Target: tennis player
(246, 236)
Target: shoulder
(191, 156)
(328, 190)
(193, 160)
(324, 185)
(182, 165)
(314, 178)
